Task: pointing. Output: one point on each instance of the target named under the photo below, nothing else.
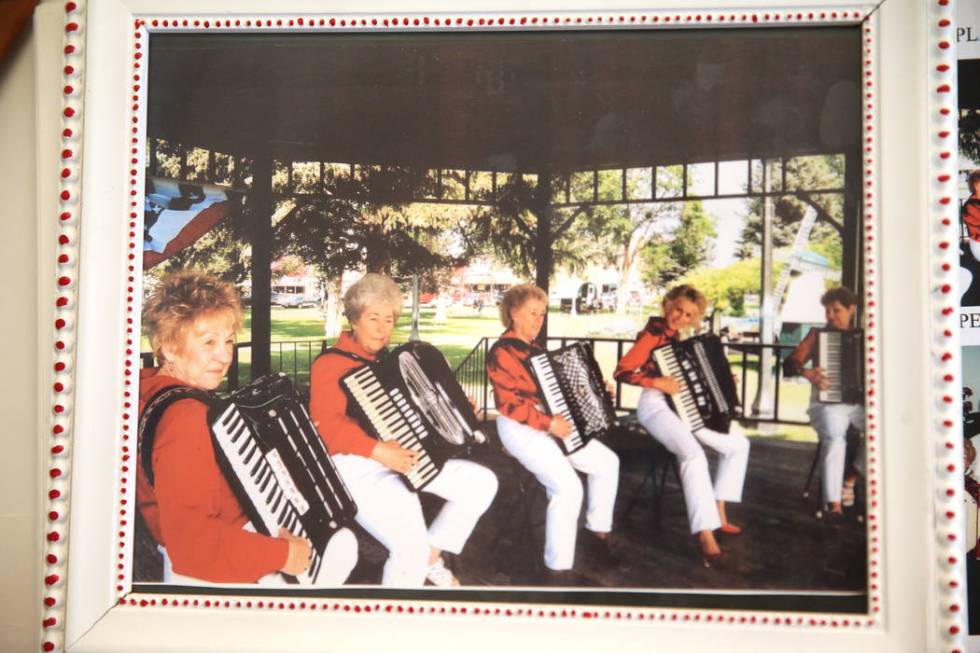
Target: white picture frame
(913, 562)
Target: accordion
(841, 355)
(971, 511)
(412, 397)
(573, 387)
(273, 459)
(708, 396)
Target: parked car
(287, 300)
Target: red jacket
(804, 353)
(191, 509)
(328, 403)
(637, 367)
(514, 389)
(970, 213)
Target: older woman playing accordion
(190, 510)
(528, 433)
(372, 469)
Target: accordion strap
(351, 355)
(517, 344)
(153, 412)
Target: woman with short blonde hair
(529, 433)
(683, 308)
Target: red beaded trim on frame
(870, 197)
(69, 187)
(942, 128)
(441, 23)
(665, 18)
(127, 466)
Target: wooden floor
(784, 548)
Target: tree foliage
(671, 255)
(803, 176)
(222, 252)
(725, 288)
(510, 231)
(370, 220)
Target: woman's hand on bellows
(298, 559)
(394, 456)
(560, 427)
(816, 377)
(666, 384)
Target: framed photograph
(640, 260)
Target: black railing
(295, 358)
(292, 357)
(758, 405)
(472, 375)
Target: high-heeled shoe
(730, 529)
(715, 560)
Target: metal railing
(292, 357)
(295, 358)
(747, 359)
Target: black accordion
(412, 397)
(274, 460)
(572, 386)
(841, 355)
(708, 396)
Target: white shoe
(440, 576)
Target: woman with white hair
(386, 507)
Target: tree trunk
(333, 308)
(625, 270)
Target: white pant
(339, 559)
(542, 456)
(830, 421)
(392, 513)
(656, 416)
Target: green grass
(296, 333)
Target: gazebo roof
(527, 101)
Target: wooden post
(544, 259)
(852, 274)
(260, 234)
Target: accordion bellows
(708, 396)
(572, 386)
(412, 397)
(278, 467)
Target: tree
(725, 288)
(669, 256)
(804, 175)
(521, 220)
(618, 233)
(371, 220)
(222, 252)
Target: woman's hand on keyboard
(298, 559)
(560, 427)
(394, 456)
(667, 384)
